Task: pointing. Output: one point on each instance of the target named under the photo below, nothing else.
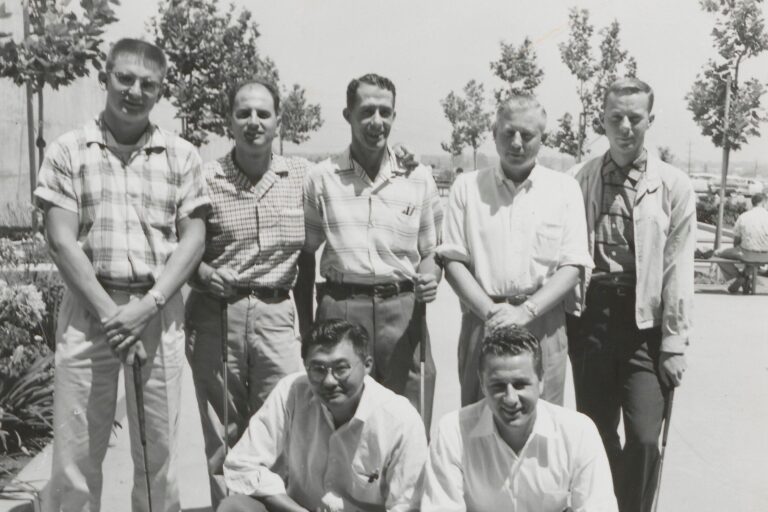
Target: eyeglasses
(318, 372)
(127, 80)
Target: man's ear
(651, 118)
(102, 77)
(368, 363)
(345, 113)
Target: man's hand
(124, 328)
(503, 315)
(134, 351)
(221, 282)
(405, 158)
(425, 287)
(330, 503)
(671, 368)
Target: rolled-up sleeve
(575, 249)
(55, 186)
(443, 472)
(406, 465)
(431, 222)
(454, 245)
(192, 193)
(677, 284)
(248, 467)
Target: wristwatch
(158, 297)
(531, 308)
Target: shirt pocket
(547, 243)
(366, 483)
(403, 220)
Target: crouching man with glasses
(332, 439)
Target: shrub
(706, 210)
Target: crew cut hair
(512, 341)
(521, 101)
(265, 82)
(370, 79)
(329, 333)
(629, 85)
(142, 49)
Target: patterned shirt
(127, 211)
(752, 228)
(375, 231)
(256, 230)
(614, 233)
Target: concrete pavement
(717, 445)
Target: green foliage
(60, 45)
(298, 118)
(706, 210)
(26, 407)
(739, 33)
(517, 67)
(209, 50)
(469, 118)
(593, 76)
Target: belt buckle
(516, 300)
(385, 290)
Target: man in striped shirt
(628, 347)
(252, 260)
(380, 223)
(124, 205)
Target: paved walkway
(717, 446)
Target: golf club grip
(667, 416)
(138, 388)
(224, 328)
(421, 313)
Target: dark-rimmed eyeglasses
(318, 372)
(127, 80)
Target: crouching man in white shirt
(330, 440)
(512, 451)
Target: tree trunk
(726, 156)
(474, 158)
(281, 144)
(30, 118)
(40, 142)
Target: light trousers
(85, 396)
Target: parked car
(746, 187)
(701, 182)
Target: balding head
(518, 132)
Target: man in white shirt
(750, 240)
(331, 440)
(512, 451)
(514, 245)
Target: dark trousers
(395, 334)
(614, 371)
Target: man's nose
(510, 394)
(517, 140)
(253, 118)
(135, 88)
(329, 380)
(625, 125)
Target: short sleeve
(193, 190)
(455, 245)
(431, 222)
(575, 248)
(314, 235)
(55, 184)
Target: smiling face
(625, 120)
(134, 84)
(517, 133)
(511, 388)
(370, 117)
(336, 374)
(254, 122)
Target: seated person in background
(750, 239)
(331, 440)
(512, 451)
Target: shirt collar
(638, 164)
(277, 168)
(501, 178)
(95, 133)
(543, 426)
(388, 169)
(365, 407)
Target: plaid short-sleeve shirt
(127, 210)
(256, 230)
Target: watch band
(158, 297)
(532, 308)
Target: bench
(751, 266)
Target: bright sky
(430, 47)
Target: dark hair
(512, 341)
(629, 85)
(370, 79)
(139, 48)
(757, 199)
(265, 82)
(329, 333)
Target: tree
(593, 77)
(739, 33)
(517, 67)
(208, 51)
(469, 119)
(57, 47)
(298, 118)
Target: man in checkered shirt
(380, 223)
(254, 237)
(124, 204)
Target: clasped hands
(124, 326)
(505, 315)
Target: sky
(431, 47)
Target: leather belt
(125, 286)
(262, 292)
(619, 284)
(514, 300)
(381, 290)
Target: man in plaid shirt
(252, 260)
(124, 204)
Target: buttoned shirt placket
(517, 193)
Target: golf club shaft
(139, 389)
(421, 311)
(224, 372)
(664, 437)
